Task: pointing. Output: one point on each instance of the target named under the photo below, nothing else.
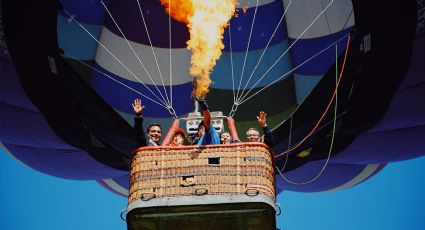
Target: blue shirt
(210, 137)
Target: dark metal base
(217, 216)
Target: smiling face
(252, 135)
(225, 138)
(155, 133)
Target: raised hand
(138, 107)
(262, 119)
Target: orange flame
(181, 10)
(206, 20)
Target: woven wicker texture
(214, 170)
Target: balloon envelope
(66, 96)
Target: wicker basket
(235, 169)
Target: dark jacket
(268, 137)
(141, 138)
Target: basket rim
(237, 144)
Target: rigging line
(258, 81)
(154, 54)
(348, 19)
(171, 62)
(267, 46)
(247, 48)
(290, 128)
(117, 59)
(134, 52)
(333, 132)
(175, 115)
(172, 111)
(327, 108)
(113, 79)
(289, 144)
(171, 108)
(231, 62)
(323, 167)
(320, 128)
(292, 70)
(286, 51)
(326, 17)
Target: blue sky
(392, 200)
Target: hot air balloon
(70, 70)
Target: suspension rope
(264, 51)
(327, 108)
(237, 103)
(153, 51)
(171, 62)
(333, 132)
(117, 59)
(286, 51)
(247, 48)
(115, 80)
(170, 99)
(289, 144)
(170, 109)
(137, 56)
(326, 17)
(173, 112)
(292, 70)
(348, 19)
(318, 129)
(231, 62)
(324, 125)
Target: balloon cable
(247, 48)
(170, 57)
(113, 79)
(295, 68)
(265, 49)
(242, 98)
(153, 51)
(231, 61)
(117, 59)
(327, 108)
(138, 58)
(337, 80)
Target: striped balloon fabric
(68, 79)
